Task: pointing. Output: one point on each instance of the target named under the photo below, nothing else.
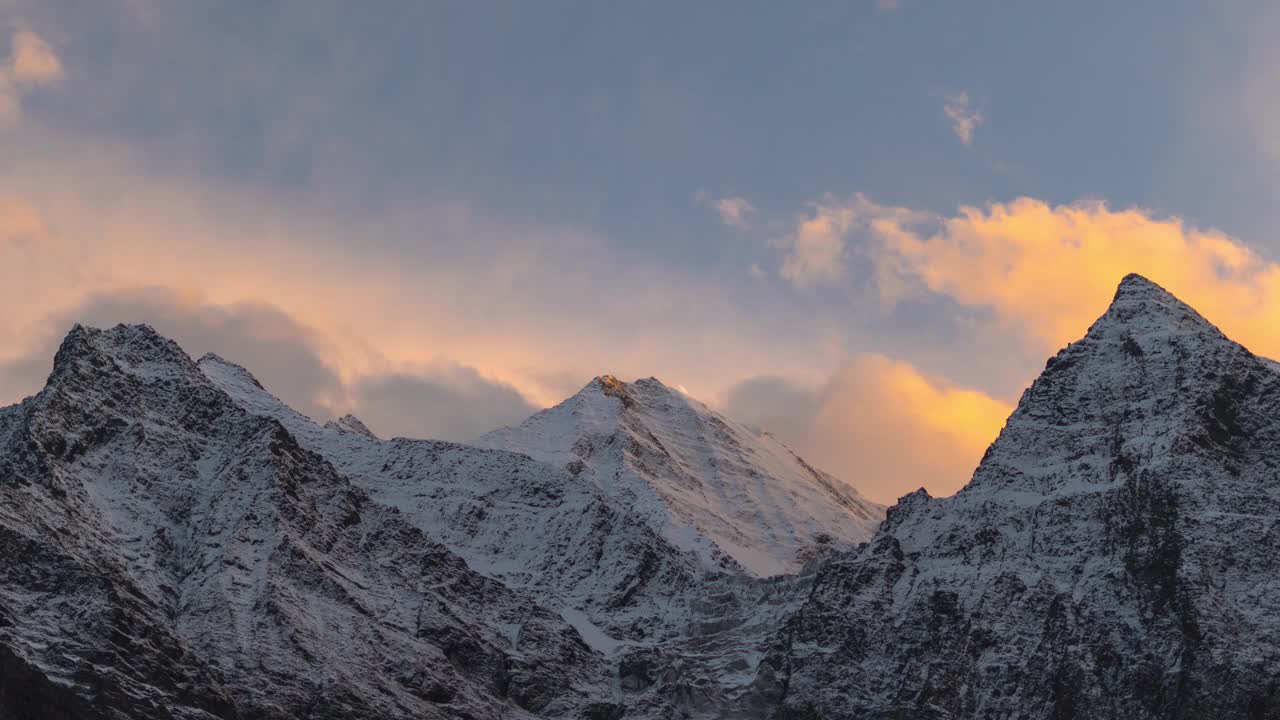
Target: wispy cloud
(964, 119)
(888, 5)
(32, 64)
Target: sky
(862, 225)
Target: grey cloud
(448, 401)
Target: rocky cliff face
(1113, 557)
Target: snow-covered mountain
(177, 543)
(1115, 555)
(169, 555)
(682, 619)
(533, 526)
(733, 496)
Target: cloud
(818, 249)
(815, 251)
(391, 287)
(964, 120)
(880, 424)
(888, 5)
(283, 353)
(32, 64)
(294, 361)
(734, 211)
(447, 402)
(1047, 271)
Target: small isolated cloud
(964, 119)
(879, 424)
(734, 211)
(32, 64)
(888, 5)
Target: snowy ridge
(736, 497)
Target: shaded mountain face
(1115, 554)
(737, 498)
(170, 555)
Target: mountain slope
(1113, 556)
(532, 526)
(684, 637)
(735, 497)
(173, 556)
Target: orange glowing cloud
(879, 423)
(1049, 271)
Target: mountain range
(180, 543)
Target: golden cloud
(881, 424)
(1049, 271)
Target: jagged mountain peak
(608, 385)
(135, 349)
(1158, 378)
(351, 424)
(82, 338)
(735, 497)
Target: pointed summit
(1142, 306)
(1151, 379)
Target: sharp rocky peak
(351, 424)
(1152, 378)
(132, 348)
(1142, 306)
